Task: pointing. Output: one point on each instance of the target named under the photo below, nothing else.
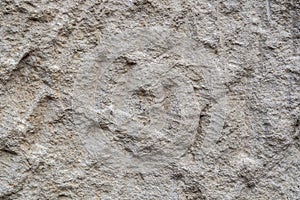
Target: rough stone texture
(149, 99)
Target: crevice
(200, 132)
(9, 151)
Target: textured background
(149, 99)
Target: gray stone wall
(149, 99)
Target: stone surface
(149, 99)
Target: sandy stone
(149, 99)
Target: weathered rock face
(149, 99)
